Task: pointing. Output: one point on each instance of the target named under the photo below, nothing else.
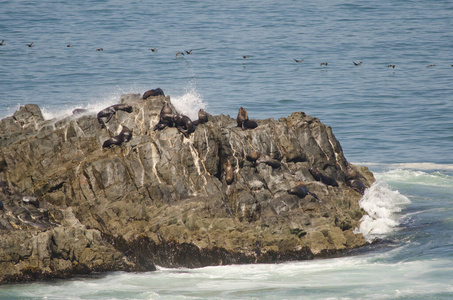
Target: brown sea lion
(243, 120)
(242, 116)
(202, 118)
(253, 156)
(357, 185)
(165, 117)
(266, 159)
(229, 174)
(124, 136)
(318, 176)
(301, 191)
(183, 123)
(110, 111)
(350, 173)
(154, 92)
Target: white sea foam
(425, 166)
(92, 106)
(190, 102)
(418, 177)
(383, 207)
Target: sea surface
(398, 120)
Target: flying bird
(2, 43)
(298, 60)
(357, 64)
(30, 45)
(188, 52)
(177, 53)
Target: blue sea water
(398, 121)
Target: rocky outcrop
(72, 206)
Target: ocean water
(397, 121)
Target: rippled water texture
(396, 120)
(379, 114)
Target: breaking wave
(383, 207)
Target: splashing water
(190, 102)
(382, 206)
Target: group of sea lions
(105, 115)
(182, 122)
(167, 118)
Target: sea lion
(243, 121)
(166, 117)
(229, 174)
(350, 173)
(266, 159)
(357, 185)
(110, 111)
(249, 124)
(253, 156)
(79, 111)
(124, 136)
(301, 191)
(318, 176)
(242, 116)
(151, 93)
(183, 123)
(31, 200)
(202, 118)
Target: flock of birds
(188, 52)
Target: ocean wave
(382, 206)
(418, 177)
(423, 166)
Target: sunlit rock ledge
(72, 206)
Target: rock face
(71, 206)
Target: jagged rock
(162, 198)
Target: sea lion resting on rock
(266, 159)
(155, 92)
(166, 117)
(259, 158)
(183, 123)
(357, 185)
(229, 174)
(301, 191)
(79, 111)
(110, 111)
(202, 118)
(318, 176)
(31, 200)
(124, 136)
(243, 120)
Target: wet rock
(162, 196)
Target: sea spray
(93, 106)
(189, 103)
(382, 206)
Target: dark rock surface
(71, 206)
